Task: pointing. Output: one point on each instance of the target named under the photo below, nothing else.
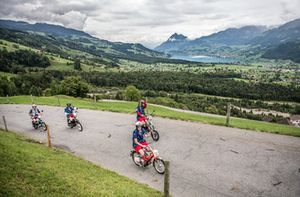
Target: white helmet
(138, 124)
(33, 105)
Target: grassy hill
(31, 169)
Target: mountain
(174, 41)
(177, 38)
(41, 27)
(231, 36)
(249, 42)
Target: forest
(178, 82)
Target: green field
(31, 169)
(129, 107)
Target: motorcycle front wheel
(79, 126)
(155, 135)
(44, 127)
(159, 165)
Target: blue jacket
(139, 136)
(69, 110)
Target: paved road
(206, 160)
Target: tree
(55, 87)
(47, 92)
(119, 95)
(132, 93)
(74, 86)
(77, 64)
(7, 87)
(35, 91)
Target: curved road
(205, 160)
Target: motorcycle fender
(131, 153)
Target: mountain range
(62, 40)
(239, 42)
(249, 42)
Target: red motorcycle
(73, 121)
(153, 158)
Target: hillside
(288, 32)
(286, 51)
(61, 40)
(41, 27)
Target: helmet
(33, 105)
(143, 103)
(138, 124)
(68, 104)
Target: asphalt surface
(206, 160)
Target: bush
(132, 93)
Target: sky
(151, 22)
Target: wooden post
(31, 99)
(7, 99)
(49, 137)
(95, 98)
(58, 101)
(228, 114)
(167, 180)
(5, 123)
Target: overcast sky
(151, 22)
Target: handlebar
(152, 113)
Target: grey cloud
(151, 21)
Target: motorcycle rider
(34, 111)
(140, 111)
(138, 140)
(68, 110)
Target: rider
(68, 110)
(138, 140)
(34, 111)
(140, 111)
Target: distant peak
(177, 37)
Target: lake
(206, 59)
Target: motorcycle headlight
(155, 152)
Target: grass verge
(129, 107)
(31, 169)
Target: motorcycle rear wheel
(155, 135)
(136, 158)
(159, 165)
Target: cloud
(151, 21)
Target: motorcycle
(73, 121)
(149, 127)
(153, 155)
(37, 122)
